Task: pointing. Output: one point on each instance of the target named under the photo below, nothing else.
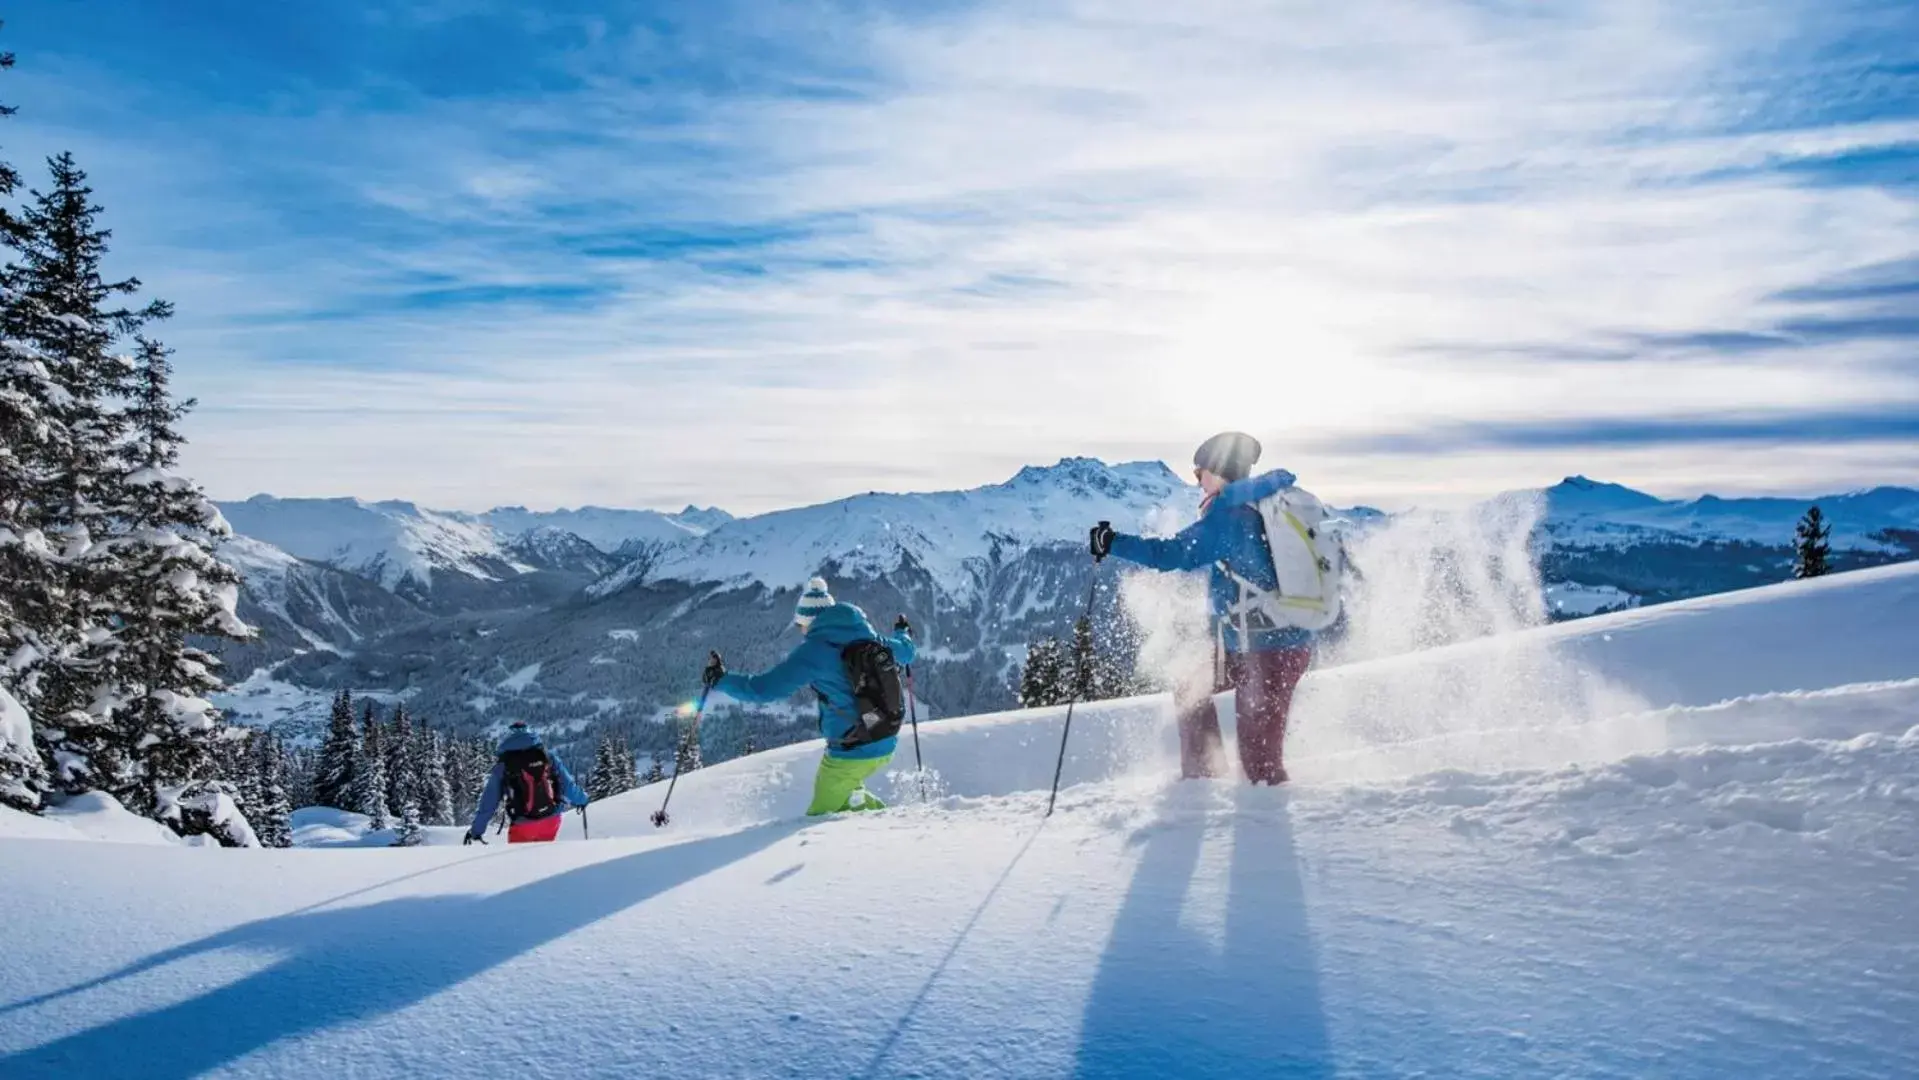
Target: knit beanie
(813, 600)
(1229, 455)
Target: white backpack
(1307, 557)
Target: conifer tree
(339, 756)
(629, 764)
(402, 773)
(687, 757)
(159, 576)
(369, 779)
(32, 440)
(436, 807)
(67, 311)
(466, 763)
(1812, 546)
(654, 772)
(603, 781)
(409, 834)
(1042, 680)
(273, 820)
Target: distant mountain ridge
(453, 611)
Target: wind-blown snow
(946, 533)
(1699, 862)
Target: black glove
(1102, 540)
(901, 626)
(715, 671)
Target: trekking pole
(586, 831)
(913, 713)
(1079, 686)
(659, 817)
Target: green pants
(840, 780)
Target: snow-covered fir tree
(604, 780)
(32, 440)
(1042, 679)
(69, 313)
(339, 756)
(654, 772)
(467, 761)
(436, 795)
(158, 574)
(409, 832)
(687, 757)
(297, 765)
(402, 771)
(1812, 546)
(272, 816)
(369, 779)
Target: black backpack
(879, 702)
(532, 789)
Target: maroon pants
(1263, 683)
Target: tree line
(107, 568)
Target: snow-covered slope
(949, 534)
(609, 529)
(388, 542)
(1678, 842)
(1580, 510)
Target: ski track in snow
(1699, 861)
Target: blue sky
(468, 252)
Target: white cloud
(1029, 229)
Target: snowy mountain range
(512, 614)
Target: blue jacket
(1230, 531)
(816, 663)
(490, 798)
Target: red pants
(1263, 683)
(539, 831)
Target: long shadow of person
(1167, 1001)
(351, 965)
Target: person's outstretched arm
(1199, 544)
(489, 800)
(568, 787)
(776, 684)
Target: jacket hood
(518, 740)
(840, 625)
(1254, 488)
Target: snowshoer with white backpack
(1270, 589)
(854, 671)
(536, 785)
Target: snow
(947, 533)
(1675, 841)
(98, 816)
(608, 529)
(521, 679)
(1589, 513)
(389, 542)
(16, 727)
(1570, 598)
(325, 827)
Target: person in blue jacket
(829, 627)
(1261, 662)
(538, 787)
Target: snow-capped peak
(390, 542)
(1577, 496)
(947, 533)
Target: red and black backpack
(532, 789)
